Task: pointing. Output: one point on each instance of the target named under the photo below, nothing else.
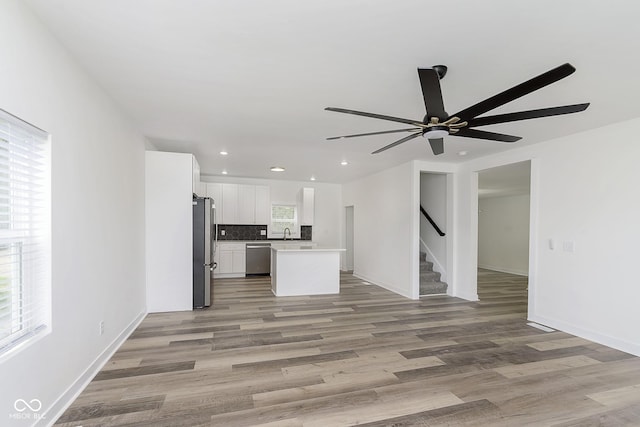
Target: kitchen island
(299, 269)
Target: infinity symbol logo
(21, 405)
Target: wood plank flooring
(366, 356)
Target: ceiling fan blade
(431, 92)
(481, 134)
(526, 115)
(376, 116)
(398, 142)
(374, 133)
(437, 146)
(515, 92)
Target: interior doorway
(504, 198)
(433, 231)
(349, 226)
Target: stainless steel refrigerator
(204, 237)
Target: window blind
(24, 232)
(283, 216)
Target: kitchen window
(283, 216)
(25, 277)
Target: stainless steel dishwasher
(258, 259)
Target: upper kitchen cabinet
(241, 203)
(246, 204)
(199, 187)
(229, 204)
(214, 190)
(306, 206)
(263, 205)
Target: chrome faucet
(285, 233)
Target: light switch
(263, 232)
(568, 246)
(223, 233)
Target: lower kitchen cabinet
(231, 260)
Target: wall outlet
(263, 232)
(101, 325)
(223, 233)
(568, 246)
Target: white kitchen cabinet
(246, 204)
(214, 190)
(241, 203)
(232, 260)
(306, 198)
(263, 205)
(197, 188)
(169, 188)
(216, 259)
(202, 189)
(226, 262)
(229, 204)
(239, 262)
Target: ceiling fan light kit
(437, 123)
(436, 132)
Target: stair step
(430, 280)
(429, 276)
(430, 288)
(426, 266)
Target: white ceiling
(253, 76)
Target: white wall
(387, 225)
(433, 197)
(503, 234)
(169, 231)
(97, 215)
(327, 207)
(348, 237)
(384, 252)
(583, 191)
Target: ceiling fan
(438, 124)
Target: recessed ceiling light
(277, 169)
(313, 178)
(223, 153)
(224, 172)
(462, 153)
(344, 163)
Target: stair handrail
(435, 226)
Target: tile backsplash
(305, 232)
(252, 232)
(241, 232)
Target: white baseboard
(388, 287)
(228, 275)
(66, 399)
(503, 270)
(618, 344)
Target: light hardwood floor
(366, 356)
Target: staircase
(430, 283)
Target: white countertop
(273, 242)
(289, 247)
